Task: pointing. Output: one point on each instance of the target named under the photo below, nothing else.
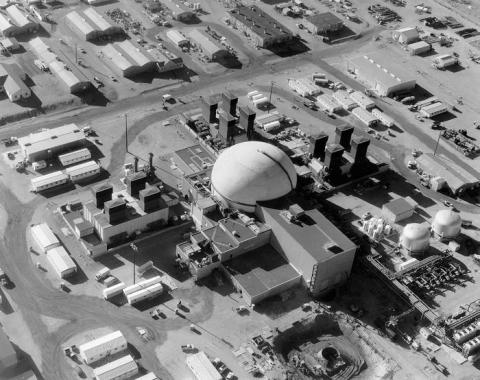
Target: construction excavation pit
(316, 348)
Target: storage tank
(388, 229)
(471, 347)
(466, 333)
(446, 224)
(415, 238)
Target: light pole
(135, 250)
(436, 145)
(270, 97)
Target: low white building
(365, 117)
(327, 103)
(445, 60)
(419, 47)
(202, 367)
(433, 109)
(304, 87)
(362, 100)
(383, 117)
(120, 369)
(75, 156)
(44, 237)
(48, 181)
(61, 262)
(177, 38)
(145, 294)
(102, 347)
(343, 98)
(82, 171)
(406, 35)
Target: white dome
(250, 172)
(447, 224)
(415, 238)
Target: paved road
(34, 296)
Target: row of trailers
(74, 174)
(141, 291)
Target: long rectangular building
(44, 237)
(47, 143)
(91, 25)
(102, 347)
(61, 262)
(23, 24)
(123, 368)
(373, 71)
(75, 156)
(263, 28)
(211, 48)
(48, 181)
(202, 367)
(82, 171)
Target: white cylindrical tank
(388, 229)
(415, 238)
(446, 224)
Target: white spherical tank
(446, 224)
(415, 238)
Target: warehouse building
(397, 210)
(16, 22)
(419, 47)
(264, 29)
(179, 11)
(383, 118)
(445, 60)
(130, 59)
(365, 117)
(9, 45)
(328, 103)
(122, 214)
(44, 237)
(362, 100)
(48, 181)
(61, 262)
(75, 82)
(343, 98)
(91, 25)
(102, 347)
(304, 87)
(75, 156)
(120, 369)
(8, 356)
(323, 23)
(406, 35)
(48, 143)
(202, 367)
(213, 49)
(374, 73)
(177, 38)
(12, 82)
(82, 171)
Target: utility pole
(436, 145)
(76, 54)
(126, 134)
(134, 249)
(270, 97)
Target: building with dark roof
(323, 23)
(264, 29)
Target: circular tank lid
(416, 231)
(447, 218)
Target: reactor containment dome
(252, 171)
(415, 238)
(446, 224)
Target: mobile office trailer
(39, 165)
(122, 368)
(114, 290)
(102, 347)
(260, 101)
(48, 181)
(74, 157)
(145, 294)
(102, 273)
(82, 171)
(251, 94)
(384, 118)
(44, 237)
(141, 285)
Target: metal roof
(80, 23)
(207, 43)
(115, 369)
(119, 59)
(202, 367)
(82, 168)
(259, 22)
(5, 25)
(176, 36)
(44, 235)
(324, 20)
(115, 337)
(98, 20)
(139, 57)
(19, 17)
(50, 138)
(60, 260)
(48, 178)
(73, 155)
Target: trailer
(273, 125)
(145, 294)
(141, 285)
(74, 157)
(103, 346)
(102, 274)
(48, 181)
(82, 171)
(113, 291)
(384, 118)
(260, 102)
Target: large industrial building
(16, 22)
(47, 144)
(214, 50)
(179, 11)
(263, 28)
(374, 71)
(91, 25)
(12, 82)
(323, 23)
(268, 243)
(73, 79)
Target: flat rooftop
(260, 270)
(195, 158)
(325, 19)
(259, 22)
(313, 231)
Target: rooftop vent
(335, 249)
